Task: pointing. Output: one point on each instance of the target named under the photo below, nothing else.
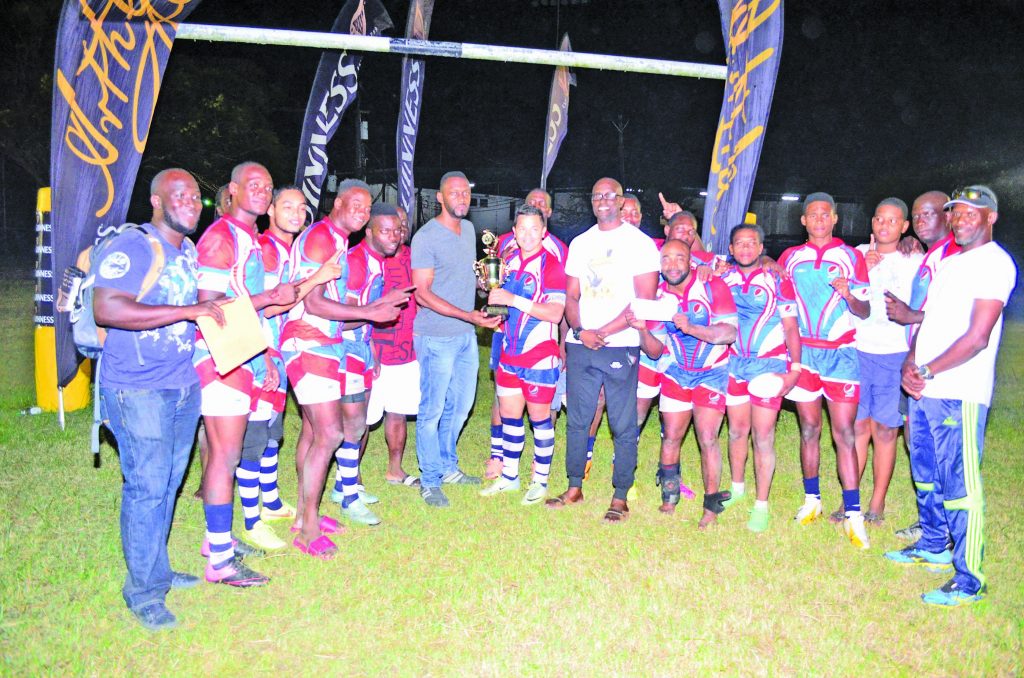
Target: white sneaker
(855, 531)
(502, 484)
(535, 494)
(809, 512)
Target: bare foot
(707, 520)
(493, 468)
(667, 508)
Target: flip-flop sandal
(327, 525)
(875, 519)
(560, 502)
(837, 516)
(408, 481)
(322, 547)
(614, 515)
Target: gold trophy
(491, 273)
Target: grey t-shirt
(451, 256)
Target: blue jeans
(155, 430)
(448, 370)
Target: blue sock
(348, 472)
(496, 441)
(811, 487)
(248, 476)
(218, 534)
(851, 501)
(268, 477)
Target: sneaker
(457, 477)
(337, 496)
(502, 484)
(910, 533)
(358, 512)
(854, 527)
(809, 512)
(155, 617)
(933, 562)
(734, 499)
(262, 536)
(242, 550)
(365, 496)
(183, 580)
(535, 494)
(758, 520)
(235, 573)
(286, 512)
(950, 595)
(434, 496)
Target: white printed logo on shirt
(115, 265)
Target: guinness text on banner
(108, 65)
(334, 88)
(417, 27)
(752, 30)
(558, 114)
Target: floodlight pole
(455, 50)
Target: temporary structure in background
(110, 59)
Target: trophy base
(496, 310)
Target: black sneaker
(183, 580)
(155, 617)
(235, 573)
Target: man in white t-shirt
(949, 374)
(881, 348)
(608, 266)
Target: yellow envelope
(238, 340)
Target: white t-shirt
(605, 262)
(986, 272)
(894, 273)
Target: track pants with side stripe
(946, 442)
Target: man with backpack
(149, 390)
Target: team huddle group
(383, 330)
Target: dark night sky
(873, 98)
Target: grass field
(493, 588)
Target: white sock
(738, 488)
(760, 505)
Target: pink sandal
(327, 525)
(322, 547)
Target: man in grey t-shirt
(443, 252)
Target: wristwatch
(925, 372)
(576, 331)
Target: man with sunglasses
(608, 266)
(949, 374)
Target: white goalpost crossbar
(456, 50)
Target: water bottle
(35, 409)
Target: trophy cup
(491, 273)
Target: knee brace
(669, 480)
(713, 502)
(255, 441)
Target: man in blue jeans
(444, 336)
(149, 390)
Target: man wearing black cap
(831, 284)
(949, 374)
